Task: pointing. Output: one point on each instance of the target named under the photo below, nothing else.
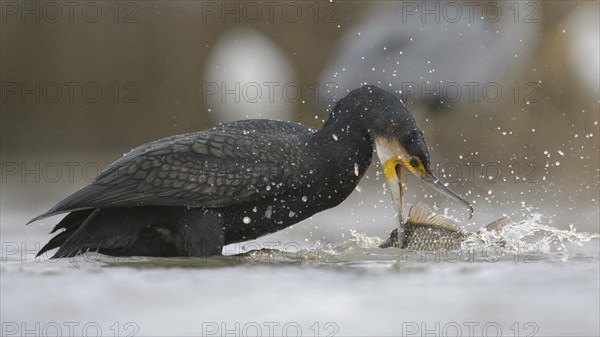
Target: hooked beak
(393, 171)
(434, 182)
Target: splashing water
(534, 236)
(527, 240)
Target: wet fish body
(427, 231)
(426, 237)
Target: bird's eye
(414, 162)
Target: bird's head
(399, 142)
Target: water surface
(543, 281)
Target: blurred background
(506, 93)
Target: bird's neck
(345, 144)
(346, 126)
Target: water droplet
(304, 198)
(335, 137)
(269, 212)
(246, 220)
(356, 172)
(292, 214)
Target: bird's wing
(226, 165)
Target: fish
(427, 231)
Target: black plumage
(189, 195)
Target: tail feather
(109, 229)
(139, 231)
(70, 223)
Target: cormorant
(191, 194)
